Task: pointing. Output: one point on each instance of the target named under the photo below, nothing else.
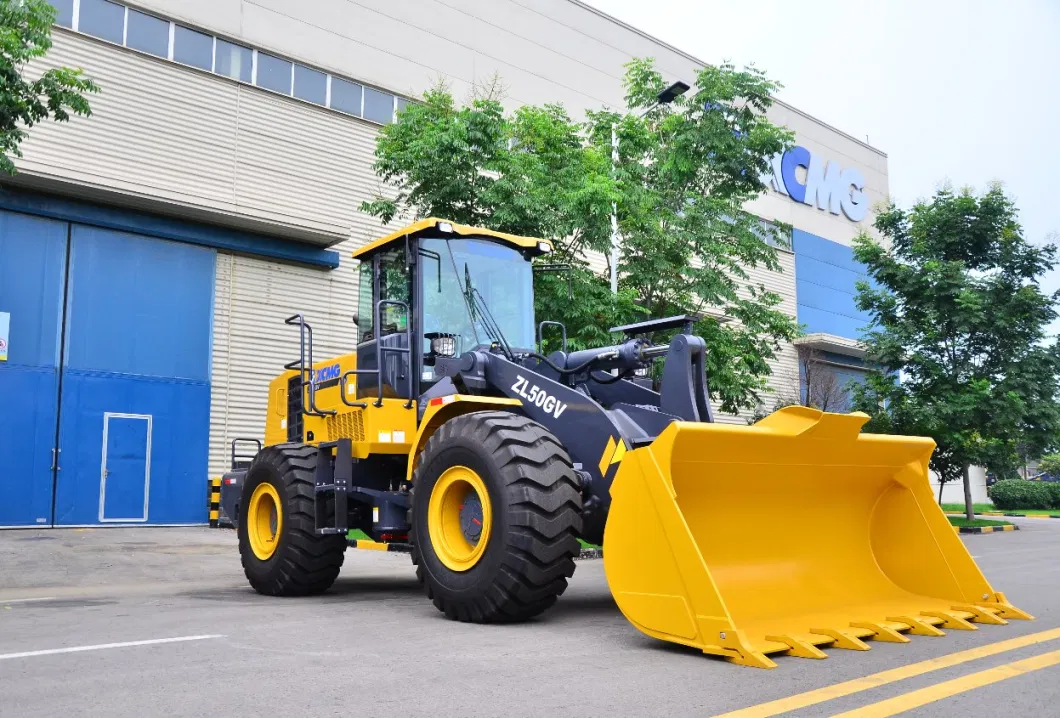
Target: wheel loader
(447, 431)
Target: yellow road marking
(915, 699)
(846, 688)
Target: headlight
(444, 346)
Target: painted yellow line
(846, 688)
(915, 699)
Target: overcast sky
(965, 90)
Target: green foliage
(684, 174)
(1050, 464)
(25, 34)
(1054, 493)
(958, 311)
(1021, 494)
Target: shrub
(1021, 494)
(1054, 493)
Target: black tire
(303, 563)
(536, 507)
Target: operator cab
(423, 287)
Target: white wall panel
(251, 343)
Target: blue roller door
(32, 273)
(105, 393)
(135, 406)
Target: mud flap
(793, 534)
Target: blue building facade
(826, 275)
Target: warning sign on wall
(5, 326)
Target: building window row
(146, 33)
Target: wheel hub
(459, 518)
(471, 518)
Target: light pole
(665, 97)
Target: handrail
(305, 329)
(541, 338)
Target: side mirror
(357, 321)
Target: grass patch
(975, 523)
(983, 508)
(587, 545)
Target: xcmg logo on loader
(328, 373)
(538, 397)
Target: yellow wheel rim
(264, 521)
(459, 518)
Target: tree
(1050, 464)
(958, 323)
(684, 174)
(686, 170)
(25, 34)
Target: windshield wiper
(493, 329)
(463, 292)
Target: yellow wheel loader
(446, 431)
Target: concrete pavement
(375, 646)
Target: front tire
(496, 511)
(282, 554)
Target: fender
(441, 409)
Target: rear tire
(533, 518)
(301, 562)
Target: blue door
(125, 475)
(32, 273)
(135, 406)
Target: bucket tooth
(951, 620)
(917, 626)
(843, 639)
(1007, 610)
(798, 647)
(883, 632)
(982, 614)
(735, 646)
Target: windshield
(500, 274)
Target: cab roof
(434, 225)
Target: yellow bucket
(795, 533)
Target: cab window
(365, 305)
(393, 285)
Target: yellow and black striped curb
(1019, 516)
(215, 501)
(984, 529)
(369, 545)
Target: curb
(364, 545)
(984, 529)
(215, 502)
(1000, 513)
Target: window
(310, 85)
(378, 106)
(233, 61)
(498, 273)
(274, 73)
(102, 18)
(64, 12)
(148, 34)
(193, 48)
(394, 285)
(345, 96)
(365, 307)
(114, 22)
